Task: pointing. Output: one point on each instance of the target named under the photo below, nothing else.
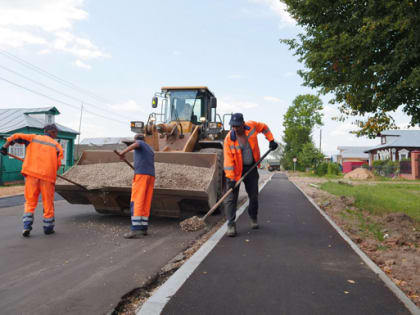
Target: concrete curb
(378, 271)
(155, 304)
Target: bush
(333, 169)
(386, 168)
(322, 169)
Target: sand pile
(119, 174)
(360, 173)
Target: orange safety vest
(43, 155)
(232, 152)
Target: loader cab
(194, 104)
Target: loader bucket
(167, 202)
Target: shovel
(59, 176)
(195, 223)
(124, 159)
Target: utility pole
(80, 128)
(320, 139)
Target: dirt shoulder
(7, 191)
(398, 255)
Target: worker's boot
(254, 224)
(135, 233)
(231, 230)
(26, 232)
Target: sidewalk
(295, 264)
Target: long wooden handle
(236, 185)
(124, 159)
(59, 176)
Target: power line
(52, 76)
(59, 92)
(64, 103)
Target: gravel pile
(192, 224)
(120, 174)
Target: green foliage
(364, 52)
(322, 169)
(300, 118)
(333, 168)
(309, 157)
(386, 167)
(305, 112)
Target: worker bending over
(241, 151)
(142, 187)
(42, 161)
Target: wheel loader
(184, 128)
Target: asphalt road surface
(295, 264)
(86, 266)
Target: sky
(112, 56)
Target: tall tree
(367, 53)
(299, 120)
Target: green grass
(381, 198)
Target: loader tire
(220, 174)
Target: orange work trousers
(141, 200)
(34, 186)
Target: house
(100, 144)
(30, 121)
(396, 145)
(402, 146)
(352, 157)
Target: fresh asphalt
(295, 264)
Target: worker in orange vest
(142, 186)
(42, 161)
(241, 152)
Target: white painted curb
(378, 271)
(155, 304)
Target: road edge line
(378, 271)
(155, 304)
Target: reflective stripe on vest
(46, 143)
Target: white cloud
(176, 53)
(330, 111)
(81, 64)
(279, 8)
(343, 130)
(16, 39)
(48, 24)
(272, 99)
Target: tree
(367, 53)
(309, 157)
(299, 120)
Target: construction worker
(142, 187)
(241, 152)
(42, 161)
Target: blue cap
(236, 120)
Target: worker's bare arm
(131, 147)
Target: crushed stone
(119, 174)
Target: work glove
(3, 150)
(231, 183)
(273, 145)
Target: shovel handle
(236, 185)
(124, 159)
(59, 176)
